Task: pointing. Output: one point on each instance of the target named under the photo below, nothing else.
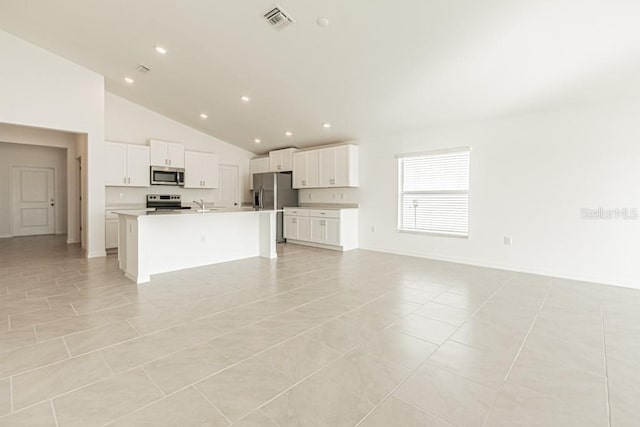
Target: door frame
(12, 200)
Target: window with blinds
(434, 192)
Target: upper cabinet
(200, 170)
(127, 165)
(281, 160)
(305, 169)
(259, 165)
(165, 153)
(338, 166)
(326, 167)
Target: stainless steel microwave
(167, 176)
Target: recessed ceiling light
(161, 50)
(128, 80)
(257, 141)
(326, 125)
(323, 22)
(203, 115)
(245, 98)
(288, 133)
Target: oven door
(164, 176)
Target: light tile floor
(314, 338)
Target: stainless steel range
(165, 202)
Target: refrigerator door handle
(261, 200)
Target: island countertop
(153, 242)
(180, 212)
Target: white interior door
(229, 186)
(33, 201)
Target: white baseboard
(96, 254)
(5, 236)
(511, 267)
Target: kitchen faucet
(201, 204)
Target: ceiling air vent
(143, 69)
(278, 18)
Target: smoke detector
(143, 69)
(278, 18)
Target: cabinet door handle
(124, 180)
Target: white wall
(126, 121)
(12, 155)
(530, 177)
(43, 90)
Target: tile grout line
(11, 394)
(74, 309)
(66, 347)
(606, 364)
(210, 402)
(113, 374)
(150, 378)
(426, 361)
(53, 409)
(524, 341)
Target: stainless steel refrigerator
(274, 190)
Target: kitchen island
(151, 242)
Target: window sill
(433, 233)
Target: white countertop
(144, 212)
(321, 208)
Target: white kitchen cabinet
(165, 153)
(305, 169)
(259, 165)
(111, 233)
(127, 165)
(296, 225)
(338, 166)
(201, 170)
(281, 160)
(325, 231)
(326, 228)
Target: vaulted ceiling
(379, 66)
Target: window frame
(400, 193)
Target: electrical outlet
(334, 195)
(341, 196)
(203, 239)
(507, 240)
(309, 196)
(121, 196)
(373, 228)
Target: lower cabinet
(296, 227)
(325, 231)
(111, 233)
(328, 228)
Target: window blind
(434, 192)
